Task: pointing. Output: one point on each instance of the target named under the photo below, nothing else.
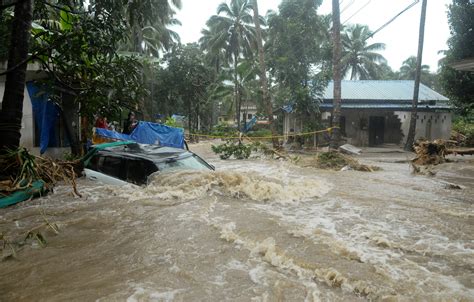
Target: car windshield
(188, 163)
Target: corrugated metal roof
(382, 90)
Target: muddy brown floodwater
(254, 230)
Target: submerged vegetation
(20, 170)
(237, 149)
(335, 161)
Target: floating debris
(21, 170)
(336, 161)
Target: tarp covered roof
(395, 90)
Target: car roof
(154, 153)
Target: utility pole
(263, 74)
(416, 90)
(336, 67)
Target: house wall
(27, 126)
(429, 125)
(246, 110)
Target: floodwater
(255, 230)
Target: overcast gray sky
(400, 37)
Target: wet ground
(255, 230)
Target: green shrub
(466, 128)
(231, 148)
(260, 133)
(224, 130)
(171, 122)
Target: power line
(367, 3)
(393, 19)
(347, 6)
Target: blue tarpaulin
(45, 115)
(112, 134)
(250, 124)
(149, 133)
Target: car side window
(94, 162)
(138, 170)
(112, 166)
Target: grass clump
(336, 161)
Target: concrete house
(247, 111)
(31, 125)
(378, 112)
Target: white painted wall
(430, 125)
(27, 127)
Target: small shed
(378, 112)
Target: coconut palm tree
(358, 58)
(215, 52)
(148, 23)
(232, 30)
(408, 69)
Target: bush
(260, 133)
(224, 130)
(171, 122)
(465, 127)
(231, 148)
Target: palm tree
(232, 30)
(215, 53)
(358, 58)
(148, 23)
(408, 69)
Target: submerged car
(121, 163)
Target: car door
(107, 169)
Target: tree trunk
(336, 115)
(414, 111)
(70, 117)
(236, 92)
(12, 105)
(263, 74)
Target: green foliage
(147, 29)
(231, 36)
(185, 84)
(79, 54)
(358, 58)
(465, 127)
(336, 161)
(68, 156)
(385, 72)
(299, 55)
(332, 160)
(224, 130)
(171, 122)
(459, 85)
(260, 133)
(232, 148)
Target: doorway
(376, 130)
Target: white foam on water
(147, 294)
(175, 188)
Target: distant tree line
(116, 56)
